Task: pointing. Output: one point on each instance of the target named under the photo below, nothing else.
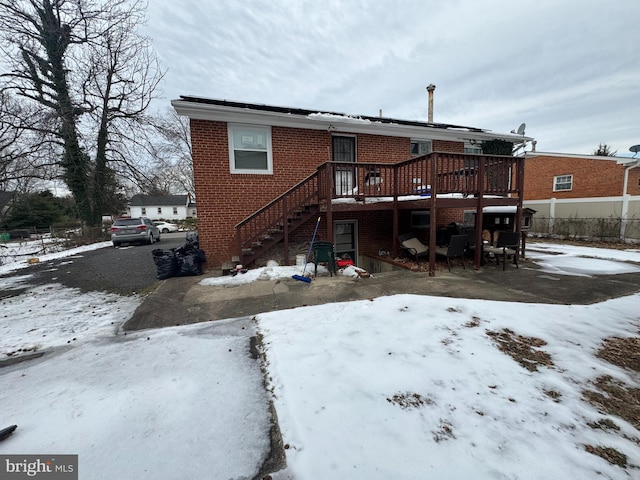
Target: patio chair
(471, 240)
(323, 252)
(413, 246)
(456, 248)
(507, 245)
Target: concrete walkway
(179, 301)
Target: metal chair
(507, 245)
(323, 252)
(413, 246)
(456, 248)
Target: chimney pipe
(430, 88)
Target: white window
(420, 147)
(473, 148)
(250, 149)
(562, 183)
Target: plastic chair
(323, 252)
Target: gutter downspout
(625, 200)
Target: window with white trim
(473, 148)
(562, 183)
(250, 149)
(420, 147)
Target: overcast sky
(569, 69)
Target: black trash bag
(166, 263)
(192, 238)
(188, 264)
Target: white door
(344, 150)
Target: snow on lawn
(15, 255)
(414, 387)
(626, 255)
(52, 315)
(582, 261)
(161, 404)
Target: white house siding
(166, 214)
(589, 217)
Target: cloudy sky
(569, 69)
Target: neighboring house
(583, 195)
(162, 207)
(264, 174)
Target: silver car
(134, 229)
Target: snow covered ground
(397, 387)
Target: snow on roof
(340, 117)
(500, 209)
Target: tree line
(77, 81)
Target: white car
(166, 227)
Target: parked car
(134, 229)
(166, 227)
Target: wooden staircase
(273, 223)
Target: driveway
(124, 270)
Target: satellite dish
(521, 128)
(635, 149)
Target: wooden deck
(432, 181)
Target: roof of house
(158, 200)
(242, 112)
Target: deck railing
(442, 173)
(454, 173)
(276, 214)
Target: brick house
(263, 174)
(583, 195)
(162, 207)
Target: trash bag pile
(183, 261)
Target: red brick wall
(224, 199)
(375, 230)
(448, 146)
(591, 177)
(633, 187)
(448, 215)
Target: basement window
(250, 149)
(562, 183)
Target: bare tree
(24, 154)
(170, 149)
(85, 61)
